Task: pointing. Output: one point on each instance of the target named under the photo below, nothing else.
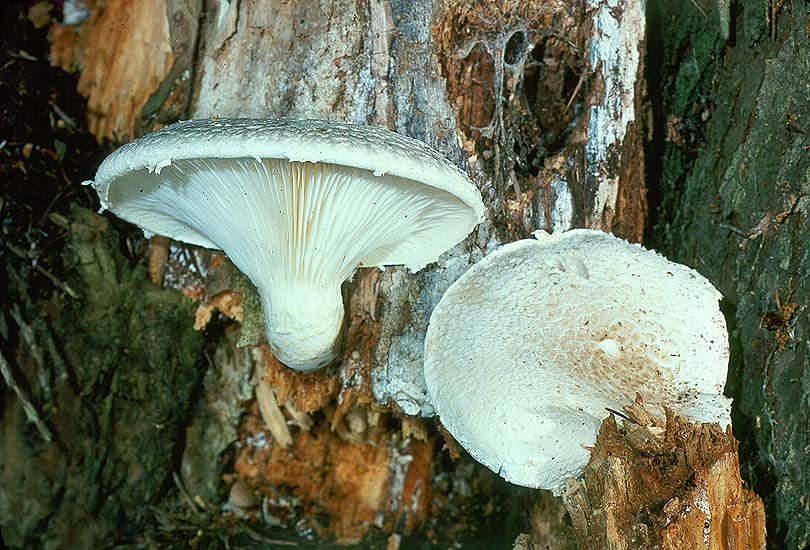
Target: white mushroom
(297, 205)
(526, 351)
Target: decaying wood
(530, 98)
(670, 484)
(227, 302)
(381, 481)
(122, 65)
(550, 525)
(135, 61)
(158, 256)
(270, 411)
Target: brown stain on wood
(631, 211)
(519, 81)
(158, 256)
(449, 442)
(414, 501)
(510, 70)
(492, 48)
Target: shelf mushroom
(528, 349)
(297, 205)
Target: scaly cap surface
(526, 350)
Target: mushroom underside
(296, 229)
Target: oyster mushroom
(528, 349)
(297, 205)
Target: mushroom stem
(304, 323)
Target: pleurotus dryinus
(528, 349)
(297, 205)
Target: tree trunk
(536, 102)
(735, 178)
(543, 104)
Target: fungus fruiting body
(297, 205)
(528, 349)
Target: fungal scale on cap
(297, 205)
(528, 348)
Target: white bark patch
(381, 29)
(562, 213)
(561, 206)
(618, 33)
(74, 12)
(416, 99)
(400, 377)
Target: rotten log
(541, 103)
(536, 102)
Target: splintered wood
(672, 485)
(343, 487)
(308, 392)
(124, 53)
(345, 468)
(227, 301)
(158, 256)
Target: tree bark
(735, 178)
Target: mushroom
(526, 352)
(297, 205)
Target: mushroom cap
(297, 205)
(528, 348)
(370, 148)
